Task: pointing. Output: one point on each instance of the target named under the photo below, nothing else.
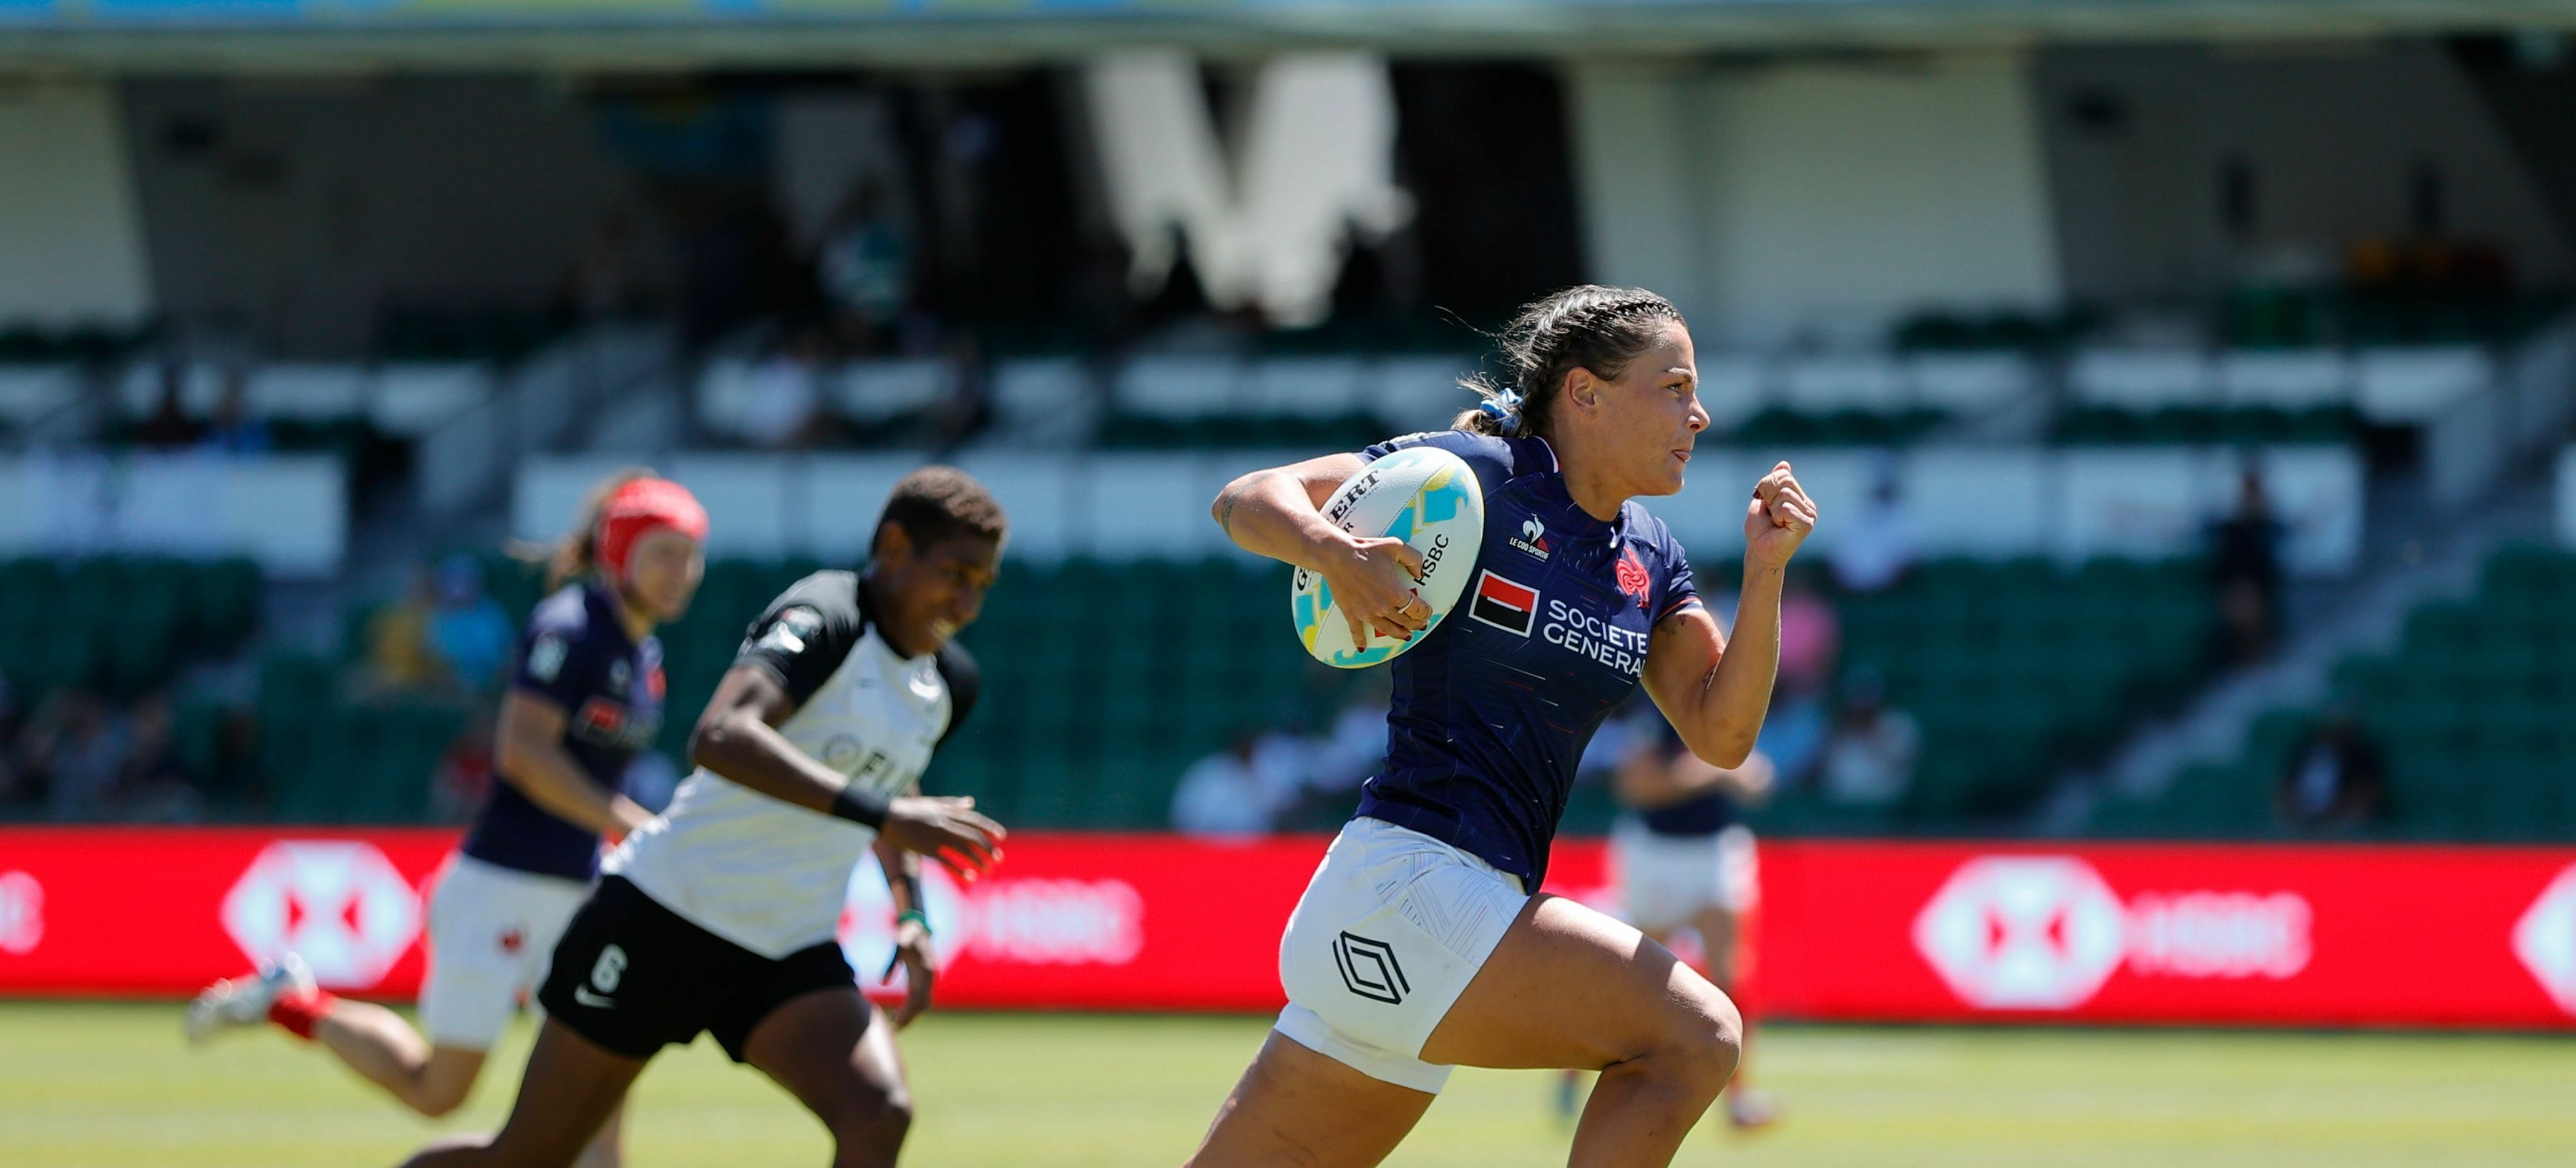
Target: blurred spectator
(1224, 795)
(235, 430)
(786, 406)
(466, 770)
(1352, 748)
(2336, 779)
(1870, 757)
(1283, 762)
(1793, 735)
(1875, 547)
(969, 405)
(1793, 732)
(468, 633)
(1811, 636)
(610, 279)
(13, 787)
(398, 655)
(152, 784)
(865, 267)
(75, 749)
(2245, 566)
(169, 427)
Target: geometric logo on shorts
(1369, 969)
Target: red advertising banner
(2308, 935)
(2300, 935)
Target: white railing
(1957, 500)
(465, 459)
(289, 512)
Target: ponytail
(1588, 326)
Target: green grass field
(100, 1084)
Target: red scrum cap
(642, 506)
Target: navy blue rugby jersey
(1491, 712)
(575, 653)
(1703, 815)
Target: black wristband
(911, 886)
(860, 806)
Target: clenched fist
(1777, 520)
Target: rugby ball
(1428, 498)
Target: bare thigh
(1572, 988)
(836, 1055)
(1567, 988)
(1295, 1108)
(571, 1088)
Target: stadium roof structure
(343, 36)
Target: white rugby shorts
(1665, 881)
(1390, 931)
(491, 930)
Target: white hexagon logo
(2545, 939)
(2022, 932)
(866, 930)
(340, 905)
(22, 913)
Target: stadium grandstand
(279, 340)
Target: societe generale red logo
(2045, 933)
(2022, 932)
(339, 904)
(2545, 939)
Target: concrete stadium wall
(2331, 134)
(1775, 199)
(71, 239)
(298, 209)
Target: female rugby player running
(1419, 945)
(721, 914)
(587, 695)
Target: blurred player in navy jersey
(584, 699)
(1684, 859)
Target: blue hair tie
(1502, 407)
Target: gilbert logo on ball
(1423, 495)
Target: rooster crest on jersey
(1632, 577)
(1425, 496)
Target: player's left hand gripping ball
(1778, 519)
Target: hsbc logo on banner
(2545, 939)
(2022, 933)
(2045, 933)
(340, 905)
(22, 913)
(1018, 922)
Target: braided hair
(1588, 326)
